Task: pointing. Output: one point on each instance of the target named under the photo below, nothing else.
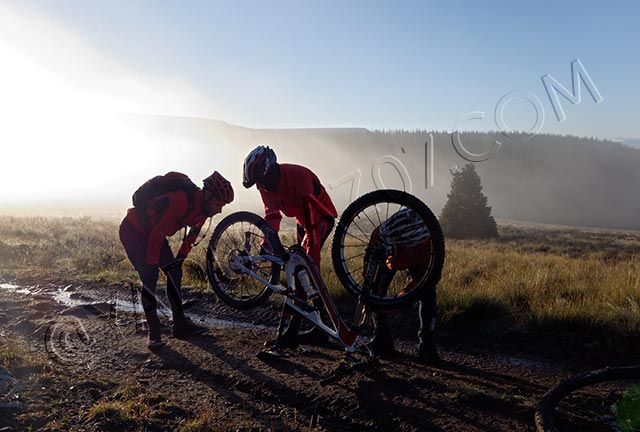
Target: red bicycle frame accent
(346, 336)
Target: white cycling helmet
(404, 229)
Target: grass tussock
(16, 358)
(131, 407)
(205, 422)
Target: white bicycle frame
(295, 258)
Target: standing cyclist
(144, 233)
(407, 242)
(286, 188)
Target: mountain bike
(245, 259)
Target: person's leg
(428, 312)
(287, 336)
(288, 330)
(174, 282)
(135, 245)
(310, 239)
(149, 276)
(289, 320)
(182, 326)
(382, 343)
(314, 336)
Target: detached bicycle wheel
(408, 240)
(242, 234)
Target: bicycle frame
(244, 278)
(291, 261)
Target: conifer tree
(466, 213)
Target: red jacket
(168, 214)
(296, 183)
(416, 258)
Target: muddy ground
(76, 368)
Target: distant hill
(554, 179)
(630, 142)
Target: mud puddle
(74, 300)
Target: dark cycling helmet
(404, 229)
(219, 187)
(257, 165)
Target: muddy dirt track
(93, 361)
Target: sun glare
(62, 134)
(55, 140)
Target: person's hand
(175, 263)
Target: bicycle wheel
(241, 234)
(394, 286)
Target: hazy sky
(411, 64)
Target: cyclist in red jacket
(408, 241)
(285, 188)
(144, 238)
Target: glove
(175, 263)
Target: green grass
(628, 411)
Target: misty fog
(547, 178)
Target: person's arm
(166, 226)
(271, 210)
(307, 184)
(190, 238)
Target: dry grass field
(537, 277)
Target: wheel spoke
(357, 238)
(373, 224)
(359, 229)
(375, 206)
(367, 213)
(240, 234)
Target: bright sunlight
(62, 135)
